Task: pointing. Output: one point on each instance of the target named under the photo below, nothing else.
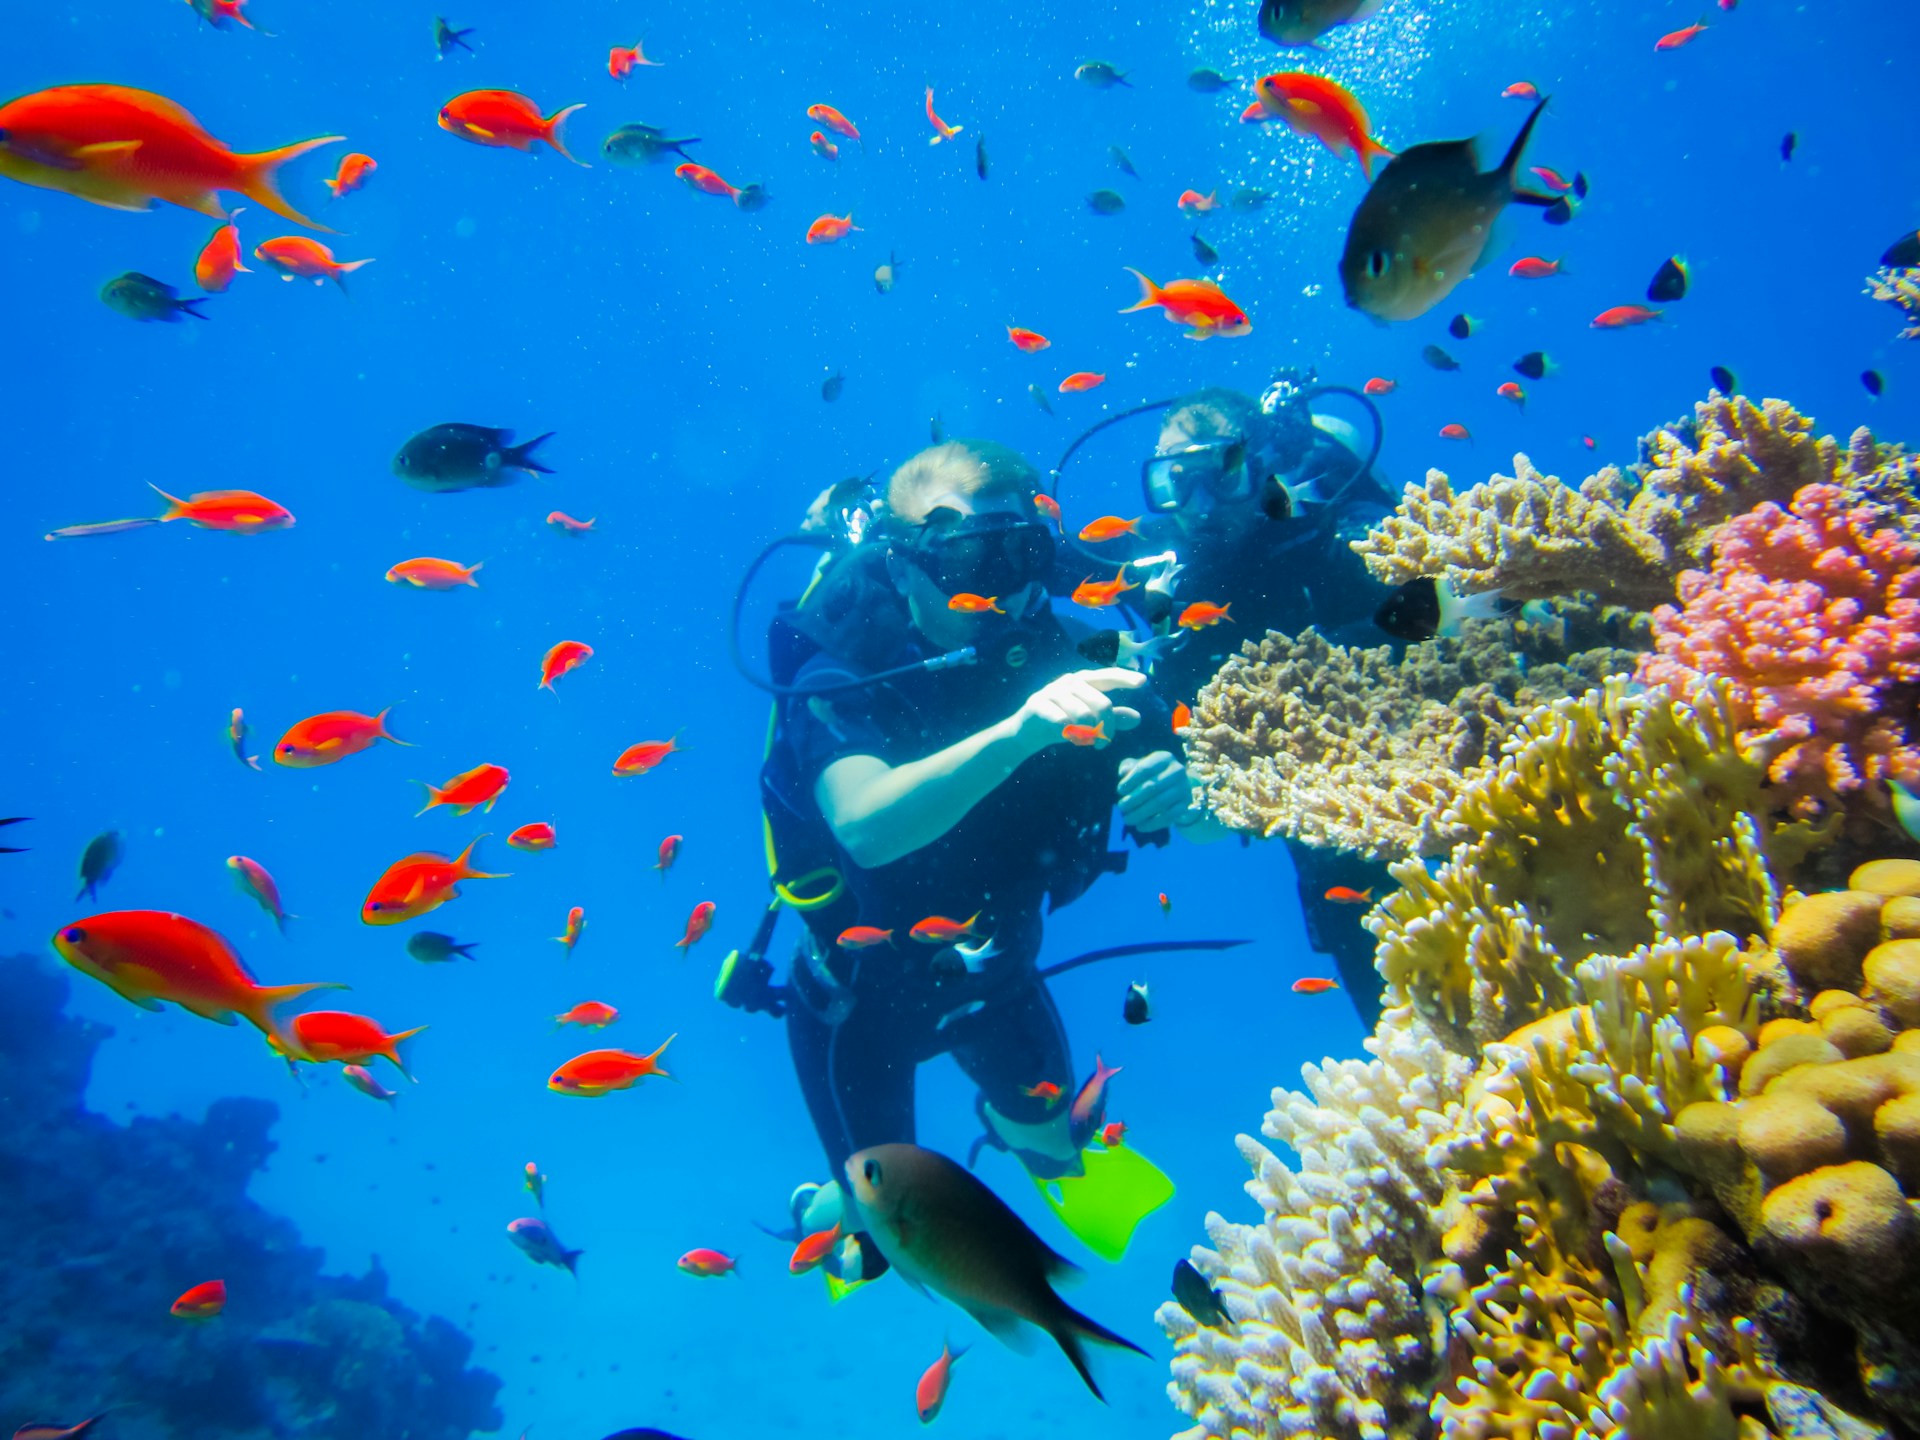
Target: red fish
(295, 257)
(669, 852)
(708, 1264)
(1455, 431)
(1552, 179)
(1674, 39)
(1098, 594)
(830, 228)
(1049, 507)
(967, 603)
(931, 1393)
(1622, 316)
(639, 759)
(600, 1072)
(1313, 986)
(352, 174)
(324, 1036)
(562, 659)
(1315, 106)
(218, 13)
(239, 512)
(812, 1250)
(576, 922)
(1202, 613)
(504, 119)
(939, 930)
(1192, 202)
(418, 884)
(707, 182)
(863, 937)
(831, 118)
(622, 59)
(203, 1301)
(1111, 1135)
(1533, 267)
(1031, 341)
(1166, 905)
(698, 924)
(1085, 735)
(823, 147)
(428, 573)
(1587, 440)
(1182, 717)
(942, 130)
(219, 259)
(1109, 527)
(331, 736)
(1347, 895)
(1046, 1090)
(1512, 391)
(1199, 304)
(1521, 90)
(1089, 1110)
(589, 1015)
(254, 881)
(148, 956)
(560, 520)
(1380, 386)
(537, 836)
(44, 1430)
(125, 149)
(1081, 380)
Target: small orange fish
(255, 882)
(639, 759)
(1201, 614)
(1110, 527)
(330, 737)
(1512, 391)
(218, 12)
(1031, 341)
(1317, 107)
(295, 257)
(427, 573)
(1112, 1134)
(238, 512)
(1622, 316)
(1533, 267)
(1182, 717)
(939, 930)
(1098, 594)
(970, 604)
(1313, 986)
(708, 1264)
(1455, 431)
(219, 259)
(203, 1301)
(1521, 90)
(419, 883)
(352, 174)
(1200, 305)
(1674, 39)
(812, 1250)
(565, 523)
(1166, 905)
(669, 852)
(1049, 507)
(1347, 895)
(1085, 735)
(707, 182)
(862, 937)
(942, 130)
(823, 147)
(576, 922)
(1587, 440)
(504, 119)
(1046, 1090)
(1192, 202)
(589, 1015)
(830, 228)
(537, 836)
(622, 59)
(600, 1072)
(321, 1037)
(1081, 380)
(1552, 178)
(831, 118)
(931, 1392)
(1380, 386)
(562, 659)
(698, 924)
(361, 1079)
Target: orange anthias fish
(352, 174)
(1111, 1135)
(1347, 895)
(1533, 267)
(708, 1264)
(562, 659)
(1455, 431)
(125, 148)
(219, 259)
(295, 257)
(428, 573)
(1081, 380)
(1521, 90)
(1109, 527)
(939, 930)
(1674, 39)
(942, 130)
(1379, 385)
(1182, 717)
(1619, 317)
(1202, 613)
(1098, 594)
(321, 1037)
(254, 881)
(333, 735)
(1313, 986)
(669, 852)
(565, 523)
(698, 924)
(537, 836)
(621, 60)
(830, 228)
(862, 937)
(1192, 202)
(968, 603)
(576, 922)
(1199, 304)
(823, 147)
(420, 883)
(831, 118)
(1084, 735)
(1512, 391)
(148, 956)
(1049, 507)
(639, 759)
(505, 119)
(812, 1250)
(238, 512)
(600, 1072)
(1315, 106)
(51, 1430)
(708, 182)
(482, 785)
(589, 1015)
(1030, 341)
(931, 1393)
(1552, 178)
(203, 1301)
(218, 13)
(1046, 1090)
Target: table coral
(1810, 614)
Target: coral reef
(106, 1224)
(1638, 1151)
(1623, 536)
(1811, 615)
(1901, 289)
(1353, 749)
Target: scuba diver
(943, 769)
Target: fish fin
(552, 135)
(1149, 292)
(1510, 166)
(392, 1052)
(655, 1056)
(265, 999)
(256, 179)
(380, 729)
(463, 871)
(520, 457)
(107, 150)
(1070, 1329)
(1004, 1326)
(175, 506)
(434, 797)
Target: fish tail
(1070, 1330)
(434, 795)
(380, 729)
(176, 507)
(1510, 167)
(472, 570)
(392, 1052)
(185, 307)
(260, 1004)
(551, 131)
(464, 871)
(257, 181)
(569, 1258)
(1369, 150)
(654, 1058)
(1149, 292)
(520, 457)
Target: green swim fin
(1106, 1205)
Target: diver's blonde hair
(1216, 413)
(966, 468)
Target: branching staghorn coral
(1899, 288)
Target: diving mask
(1219, 467)
(991, 554)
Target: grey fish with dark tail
(466, 457)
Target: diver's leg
(856, 1076)
(1333, 928)
(1009, 1047)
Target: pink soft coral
(1812, 616)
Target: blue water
(677, 346)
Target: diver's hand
(1076, 699)
(1154, 791)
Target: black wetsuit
(1036, 841)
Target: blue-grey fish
(1106, 202)
(1303, 22)
(644, 144)
(445, 37)
(455, 456)
(1100, 75)
(536, 1239)
(1197, 1297)
(143, 298)
(430, 947)
(1207, 81)
(98, 862)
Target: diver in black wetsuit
(982, 793)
